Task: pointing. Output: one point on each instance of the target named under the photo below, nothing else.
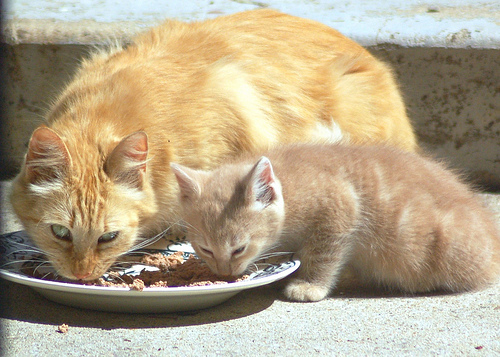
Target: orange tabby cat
(97, 176)
(390, 217)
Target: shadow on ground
(24, 304)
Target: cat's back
(369, 169)
(257, 32)
(390, 193)
(280, 78)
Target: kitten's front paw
(300, 290)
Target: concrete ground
(446, 55)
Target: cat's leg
(320, 269)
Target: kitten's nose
(223, 269)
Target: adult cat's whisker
(149, 241)
(28, 246)
(34, 259)
(22, 251)
(44, 276)
(179, 223)
(28, 249)
(137, 254)
(142, 245)
(17, 263)
(42, 264)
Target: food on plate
(173, 271)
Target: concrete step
(445, 53)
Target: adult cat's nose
(81, 276)
(83, 265)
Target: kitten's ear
(48, 158)
(127, 162)
(263, 188)
(187, 180)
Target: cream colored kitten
(97, 179)
(392, 218)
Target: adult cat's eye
(108, 237)
(238, 251)
(61, 232)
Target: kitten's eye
(239, 250)
(206, 251)
(61, 232)
(108, 237)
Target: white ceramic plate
(15, 249)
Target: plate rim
(68, 287)
(155, 291)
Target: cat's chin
(240, 269)
(67, 273)
(70, 276)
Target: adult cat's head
(81, 204)
(233, 214)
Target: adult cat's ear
(186, 178)
(263, 188)
(127, 162)
(48, 158)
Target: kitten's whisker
(252, 268)
(262, 264)
(273, 254)
(118, 278)
(195, 231)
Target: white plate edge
(173, 291)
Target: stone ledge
(440, 23)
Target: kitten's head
(233, 214)
(82, 208)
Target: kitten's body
(202, 93)
(392, 218)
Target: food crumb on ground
(62, 328)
